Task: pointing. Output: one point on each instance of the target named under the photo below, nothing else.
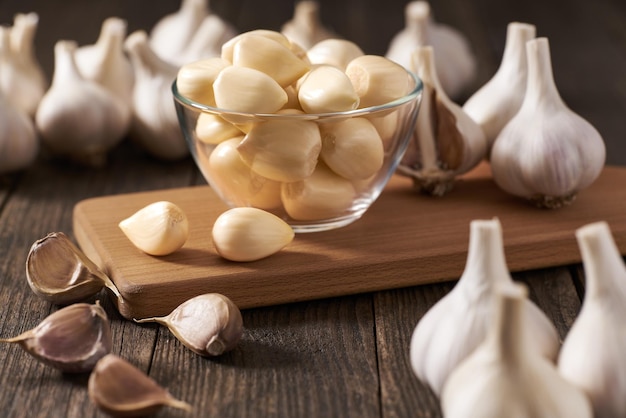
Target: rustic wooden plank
(313, 359)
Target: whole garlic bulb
(305, 28)
(507, 377)
(19, 145)
(77, 118)
(496, 102)
(155, 123)
(546, 153)
(592, 356)
(446, 142)
(105, 61)
(453, 55)
(458, 323)
(207, 42)
(22, 79)
(173, 32)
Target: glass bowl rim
(412, 95)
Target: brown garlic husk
(209, 324)
(59, 272)
(122, 390)
(71, 339)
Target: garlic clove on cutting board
(458, 322)
(592, 356)
(546, 153)
(506, 376)
(498, 100)
(446, 141)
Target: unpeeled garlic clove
(71, 339)
(58, 271)
(592, 355)
(327, 89)
(546, 153)
(282, 150)
(377, 80)
(121, 389)
(209, 324)
(159, 228)
(446, 142)
(249, 234)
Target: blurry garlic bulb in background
(506, 377)
(207, 42)
(446, 142)
(305, 28)
(454, 58)
(173, 32)
(496, 102)
(77, 118)
(458, 322)
(546, 153)
(155, 123)
(105, 61)
(592, 356)
(22, 79)
(19, 145)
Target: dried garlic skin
(71, 339)
(122, 390)
(59, 272)
(159, 228)
(209, 324)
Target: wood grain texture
(424, 241)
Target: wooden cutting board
(405, 239)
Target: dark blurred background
(586, 41)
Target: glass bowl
(267, 173)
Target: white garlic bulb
(592, 356)
(453, 55)
(546, 153)
(305, 27)
(498, 100)
(105, 61)
(458, 322)
(22, 79)
(173, 32)
(77, 118)
(506, 377)
(446, 142)
(207, 42)
(154, 121)
(19, 145)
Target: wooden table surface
(340, 357)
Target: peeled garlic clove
(592, 356)
(377, 80)
(496, 102)
(446, 141)
(239, 184)
(229, 46)
(305, 27)
(71, 339)
(452, 328)
(352, 148)
(335, 52)
(546, 153)
(195, 80)
(212, 129)
(327, 89)
(209, 324)
(242, 89)
(249, 234)
(322, 195)
(270, 57)
(506, 377)
(58, 271)
(121, 389)
(282, 150)
(159, 228)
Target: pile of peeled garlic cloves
(487, 351)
